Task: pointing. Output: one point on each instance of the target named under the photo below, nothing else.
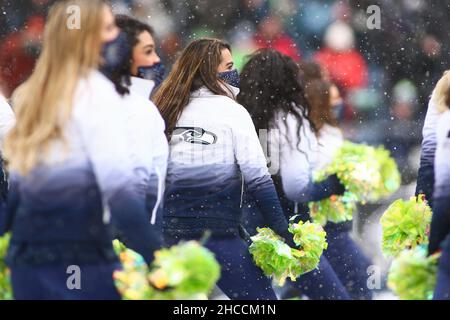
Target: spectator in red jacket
(344, 64)
(271, 35)
(18, 54)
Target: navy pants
(442, 290)
(347, 260)
(240, 278)
(321, 284)
(50, 282)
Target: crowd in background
(386, 75)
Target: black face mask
(116, 54)
(155, 72)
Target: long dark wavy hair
(195, 68)
(271, 82)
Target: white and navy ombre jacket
(442, 157)
(300, 154)
(142, 87)
(440, 224)
(214, 154)
(148, 142)
(294, 155)
(329, 141)
(85, 192)
(297, 159)
(425, 178)
(7, 118)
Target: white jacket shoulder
(95, 96)
(7, 117)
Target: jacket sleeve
(101, 126)
(324, 189)
(253, 165)
(425, 178)
(295, 157)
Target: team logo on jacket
(195, 135)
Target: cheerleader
(214, 154)
(273, 95)
(145, 126)
(344, 255)
(71, 169)
(440, 224)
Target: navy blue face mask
(155, 72)
(230, 77)
(338, 111)
(116, 54)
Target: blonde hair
(441, 93)
(44, 102)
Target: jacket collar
(205, 92)
(142, 87)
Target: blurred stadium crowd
(385, 75)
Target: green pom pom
(273, 256)
(405, 225)
(279, 261)
(412, 275)
(189, 268)
(311, 238)
(5, 281)
(132, 280)
(186, 271)
(368, 175)
(334, 209)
